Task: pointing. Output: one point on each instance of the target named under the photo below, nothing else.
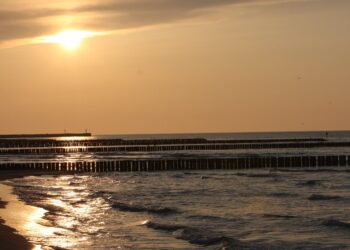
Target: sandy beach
(12, 240)
(9, 237)
(15, 216)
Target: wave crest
(192, 235)
(336, 223)
(319, 197)
(130, 207)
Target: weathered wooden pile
(46, 146)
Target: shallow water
(193, 210)
(255, 209)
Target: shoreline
(10, 237)
(11, 240)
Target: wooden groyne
(169, 147)
(35, 143)
(149, 165)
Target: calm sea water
(193, 210)
(254, 209)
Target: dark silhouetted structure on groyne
(21, 136)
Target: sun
(68, 39)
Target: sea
(303, 208)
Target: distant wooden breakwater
(35, 143)
(149, 165)
(168, 147)
(13, 147)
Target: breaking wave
(319, 197)
(336, 223)
(257, 175)
(192, 235)
(279, 216)
(311, 183)
(131, 207)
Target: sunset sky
(173, 66)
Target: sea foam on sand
(22, 217)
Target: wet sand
(10, 239)
(16, 216)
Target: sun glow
(68, 39)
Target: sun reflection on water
(64, 216)
(33, 224)
(74, 138)
(78, 213)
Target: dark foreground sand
(9, 238)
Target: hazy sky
(167, 66)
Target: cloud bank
(110, 15)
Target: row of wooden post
(153, 148)
(182, 164)
(24, 143)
